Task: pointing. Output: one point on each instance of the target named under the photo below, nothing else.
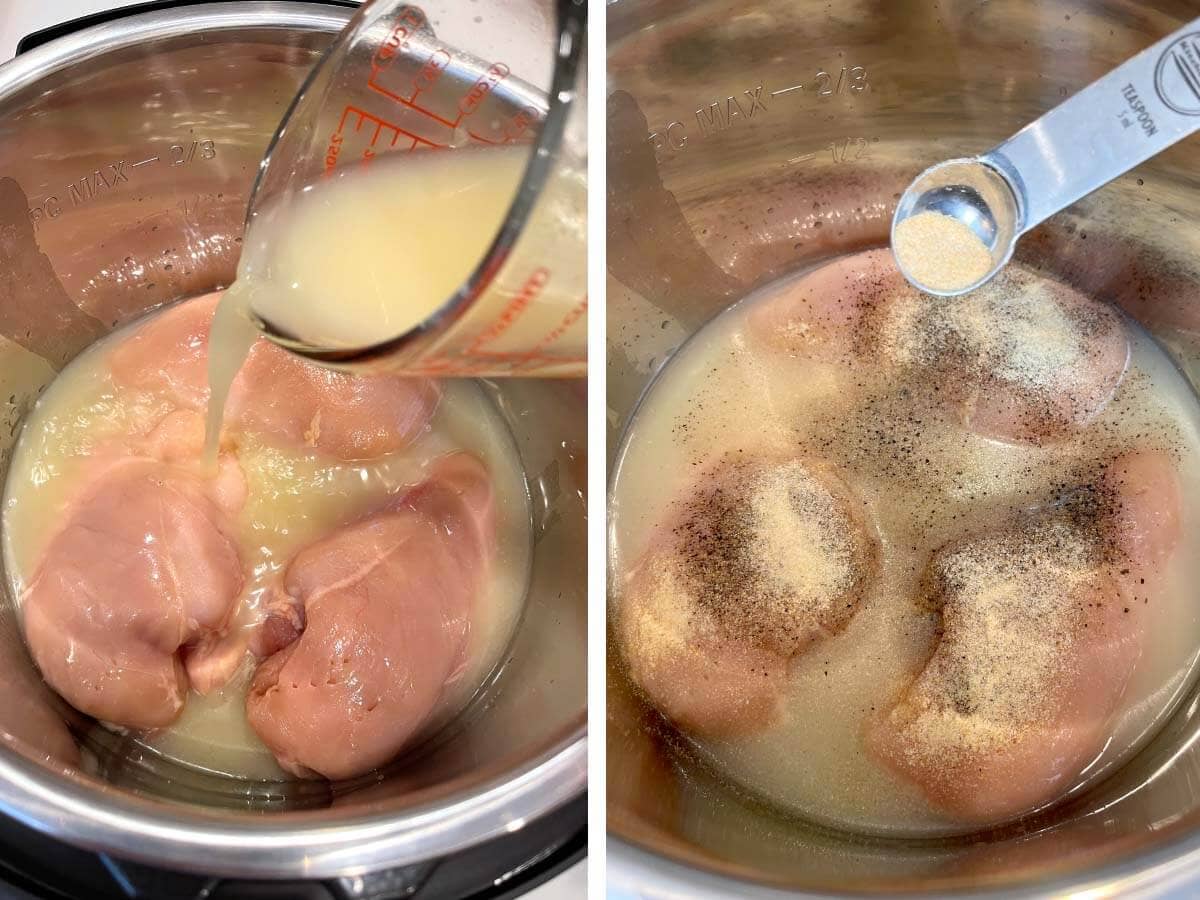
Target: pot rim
(279, 844)
(1153, 872)
(658, 874)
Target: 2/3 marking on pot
(104, 179)
(735, 109)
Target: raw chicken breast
(1155, 284)
(1060, 362)
(386, 611)
(760, 560)
(1023, 359)
(702, 678)
(1042, 628)
(276, 393)
(143, 569)
(1145, 519)
(168, 355)
(349, 417)
(822, 314)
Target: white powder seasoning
(802, 541)
(1012, 606)
(940, 252)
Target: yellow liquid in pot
(720, 393)
(294, 497)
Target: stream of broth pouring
(381, 279)
(233, 334)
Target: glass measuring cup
(416, 95)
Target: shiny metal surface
(748, 140)
(1115, 123)
(127, 154)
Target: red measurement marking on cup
(407, 91)
(404, 84)
(512, 128)
(462, 366)
(520, 123)
(477, 359)
(576, 313)
(516, 306)
(432, 70)
(484, 85)
(529, 362)
(408, 63)
(488, 82)
(409, 21)
(378, 133)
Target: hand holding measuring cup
(422, 207)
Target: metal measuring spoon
(1134, 112)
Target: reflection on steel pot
(127, 153)
(747, 141)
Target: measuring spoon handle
(1134, 112)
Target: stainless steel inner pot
(747, 140)
(127, 153)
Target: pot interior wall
(724, 175)
(124, 177)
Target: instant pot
(749, 140)
(128, 146)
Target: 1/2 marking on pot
(842, 150)
(851, 149)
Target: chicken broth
(903, 415)
(296, 493)
(375, 286)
